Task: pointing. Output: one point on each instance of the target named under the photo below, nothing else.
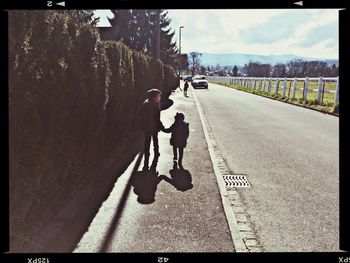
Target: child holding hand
(179, 133)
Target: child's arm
(168, 130)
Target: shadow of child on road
(145, 183)
(181, 178)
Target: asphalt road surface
(290, 156)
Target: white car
(199, 81)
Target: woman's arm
(169, 130)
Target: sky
(301, 32)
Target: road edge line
(237, 239)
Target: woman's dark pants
(148, 137)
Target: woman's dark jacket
(150, 117)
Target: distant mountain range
(231, 59)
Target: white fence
(266, 84)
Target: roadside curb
(243, 237)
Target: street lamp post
(180, 49)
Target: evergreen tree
(169, 50)
(137, 28)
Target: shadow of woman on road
(181, 178)
(145, 183)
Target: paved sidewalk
(180, 218)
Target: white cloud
(234, 21)
(220, 31)
(238, 30)
(200, 23)
(317, 20)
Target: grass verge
(325, 107)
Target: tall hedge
(72, 100)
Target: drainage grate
(236, 181)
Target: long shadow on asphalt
(119, 210)
(145, 183)
(181, 178)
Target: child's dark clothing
(179, 134)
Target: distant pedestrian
(150, 123)
(179, 133)
(185, 88)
